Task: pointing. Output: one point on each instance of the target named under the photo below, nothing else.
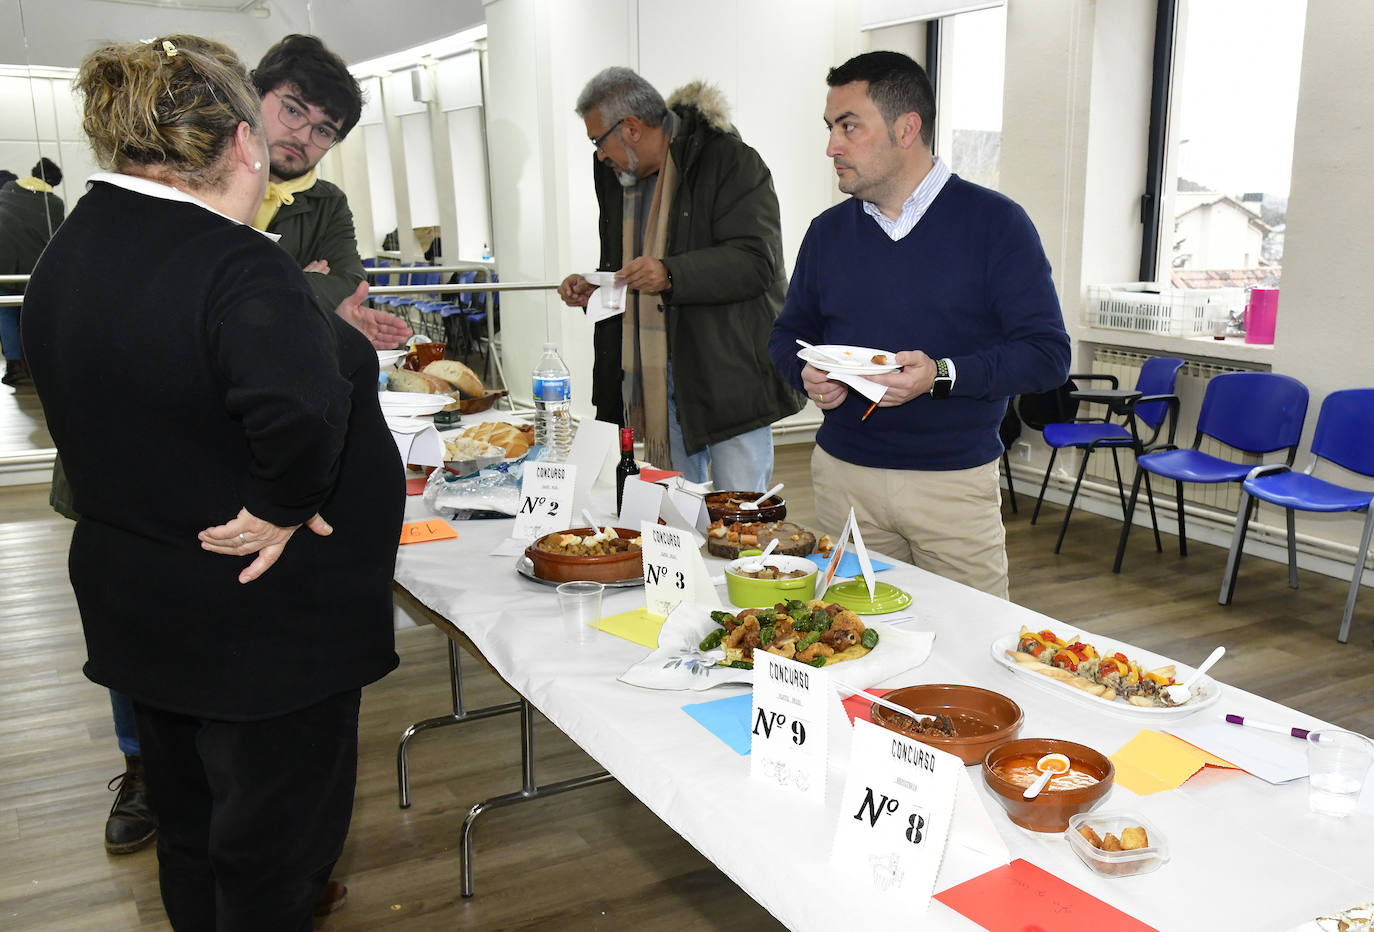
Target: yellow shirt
(279, 193)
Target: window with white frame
(969, 88)
(1234, 104)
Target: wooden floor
(596, 858)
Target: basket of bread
(445, 377)
(485, 445)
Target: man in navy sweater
(951, 278)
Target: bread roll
(507, 436)
(463, 378)
(403, 380)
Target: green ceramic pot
(747, 592)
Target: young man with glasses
(309, 103)
(690, 220)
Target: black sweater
(187, 370)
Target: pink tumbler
(1261, 315)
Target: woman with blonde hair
(207, 407)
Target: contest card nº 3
(790, 727)
(894, 819)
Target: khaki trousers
(946, 521)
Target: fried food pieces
(814, 632)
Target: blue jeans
(125, 730)
(743, 462)
(9, 331)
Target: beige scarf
(644, 338)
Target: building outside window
(1235, 95)
(969, 107)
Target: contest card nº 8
(894, 819)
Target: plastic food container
(1117, 863)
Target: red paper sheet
(656, 475)
(416, 486)
(856, 706)
(1019, 897)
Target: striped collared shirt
(915, 206)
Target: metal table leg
(527, 792)
(457, 717)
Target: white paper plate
(387, 357)
(412, 403)
(679, 663)
(1205, 693)
(857, 360)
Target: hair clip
(169, 48)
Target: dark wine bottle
(627, 465)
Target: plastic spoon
(820, 357)
(878, 700)
(757, 565)
(1046, 772)
(1180, 694)
(754, 505)
(600, 531)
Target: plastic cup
(580, 603)
(612, 289)
(1339, 763)
(1219, 327)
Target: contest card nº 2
(851, 530)
(894, 819)
(790, 726)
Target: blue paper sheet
(727, 719)
(849, 564)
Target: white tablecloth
(1244, 854)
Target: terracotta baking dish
(982, 718)
(724, 506)
(1052, 809)
(611, 567)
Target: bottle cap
(550, 346)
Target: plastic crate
(1146, 307)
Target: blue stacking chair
(1344, 437)
(1156, 399)
(1254, 412)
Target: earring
(257, 166)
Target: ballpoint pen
(1265, 726)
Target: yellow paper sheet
(1153, 761)
(640, 626)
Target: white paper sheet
(1273, 758)
(417, 441)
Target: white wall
(39, 117)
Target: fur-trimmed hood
(706, 99)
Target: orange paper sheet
(420, 532)
(1153, 761)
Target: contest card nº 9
(789, 726)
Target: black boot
(16, 373)
(131, 824)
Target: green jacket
(319, 225)
(724, 255)
(27, 221)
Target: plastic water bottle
(486, 253)
(553, 404)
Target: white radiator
(1190, 386)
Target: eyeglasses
(600, 140)
(323, 135)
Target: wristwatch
(944, 379)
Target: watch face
(941, 387)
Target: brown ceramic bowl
(1052, 809)
(982, 718)
(474, 405)
(612, 567)
(725, 506)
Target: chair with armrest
(1253, 412)
(1151, 403)
(1344, 437)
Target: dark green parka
(724, 255)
